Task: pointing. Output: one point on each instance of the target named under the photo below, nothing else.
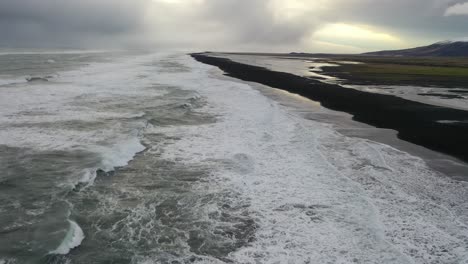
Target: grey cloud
(422, 18)
(66, 22)
(214, 23)
(253, 21)
(457, 9)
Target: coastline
(415, 122)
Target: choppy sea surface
(126, 157)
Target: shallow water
(312, 68)
(153, 158)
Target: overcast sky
(260, 25)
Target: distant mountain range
(439, 49)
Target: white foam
(120, 154)
(93, 108)
(318, 196)
(88, 177)
(6, 80)
(4, 52)
(448, 121)
(73, 239)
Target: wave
(53, 52)
(313, 189)
(88, 123)
(4, 82)
(38, 79)
(117, 156)
(27, 79)
(121, 154)
(72, 240)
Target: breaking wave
(73, 239)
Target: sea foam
(316, 195)
(72, 239)
(87, 119)
(119, 155)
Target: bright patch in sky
(169, 1)
(354, 35)
(344, 31)
(289, 9)
(269, 25)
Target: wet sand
(395, 118)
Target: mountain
(439, 49)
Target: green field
(443, 72)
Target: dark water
(64, 193)
(154, 158)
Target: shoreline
(343, 123)
(414, 122)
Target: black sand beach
(415, 122)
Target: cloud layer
(458, 9)
(68, 22)
(270, 25)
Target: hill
(440, 49)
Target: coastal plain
(393, 93)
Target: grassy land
(420, 61)
(443, 72)
(395, 70)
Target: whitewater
(156, 158)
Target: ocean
(135, 157)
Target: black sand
(415, 122)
